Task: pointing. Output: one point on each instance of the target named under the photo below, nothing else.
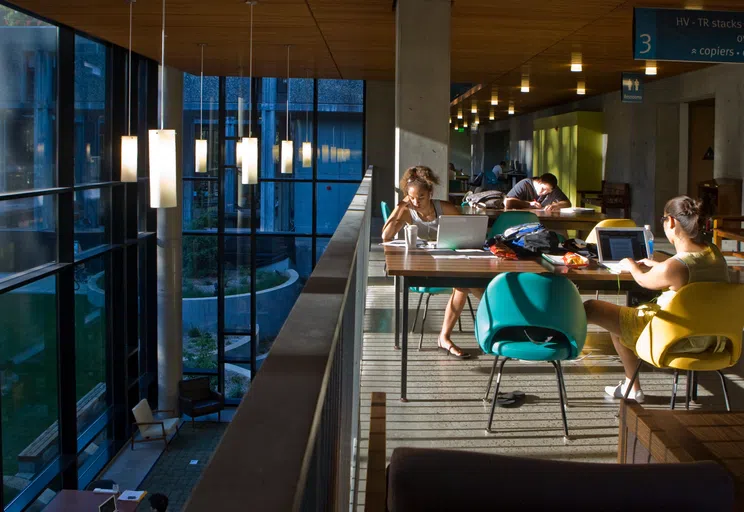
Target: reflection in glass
(90, 340)
(199, 306)
(333, 200)
(286, 207)
(90, 111)
(28, 104)
(238, 283)
(28, 382)
(91, 218)
(200, 205)
(340, 129)
(28, 234)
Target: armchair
(151, 428)
(196, 398)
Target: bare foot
(450, 347)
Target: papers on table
(577, 209)
(131, 495)
(462, 254)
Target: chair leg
(675, 382)
(694, 386)
(415, 318)
(496, 395)
(725, 391)
(423, 321)
(490, 379)
(563, 383)
(459, 323)
(559, 378)
(632, 380)
(688, 390)
(472, 313)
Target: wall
(459, 152)
(380, 141)
(641, 137)
(702, 119)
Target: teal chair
(510, 219)
(533, 317)
(424, 290)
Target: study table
(448, 269)
(68, 500)
(582, 221)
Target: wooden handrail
(264, 458)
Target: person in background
(451, 171)
(158, 502)
(538, 192)
(694, 261)
(498, 169)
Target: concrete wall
(644, 140)
(460, 147)
(380, 141)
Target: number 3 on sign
(646, 39)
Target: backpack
(531, 239)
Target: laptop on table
(109, 505)
(616, 244)
(462, 231)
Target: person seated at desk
(418, 208)
(539, 192)
(451, 171)
(498, 169)
(695, 261)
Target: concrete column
(422, 87)
(380, 141)
(170, 335)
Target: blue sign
(688, 35)
(631, 90)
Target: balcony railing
(291, 442)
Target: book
(131, 495)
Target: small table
(648, 436)
(551, 220)
(68, 500)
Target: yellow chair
(609, 223)
(698, 309)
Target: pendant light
(474, 108)
(576, 62)
(491, 115)
(651, 67)
(287, 147)
(459, 113)
(494, 97)
(525, 83)
(581, 88)
(511, 108)
(163, 192)
(129, 141)
(249, 156)
(200, 149)
(307, 146)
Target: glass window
(237, 203)
(200, 123)
(238, 283)
(200, 205)
(28, 380)
(285, 206)
(238, 375)
(93, 457)
(91, 218)
(340, 129)
(90, 340)
(237, 107)
(28, 102)
(90, 112)
(199, 308)
(333, 201)
(320, 247)
(28, 233)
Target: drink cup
(411, 236)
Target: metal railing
(291, 442)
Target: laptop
(462, 231)
(109, 505)
(616, 244)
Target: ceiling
(493, 41)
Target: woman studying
(695, 261)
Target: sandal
(451, 350)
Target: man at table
(539, 192)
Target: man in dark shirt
(539, 192)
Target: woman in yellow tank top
(695, 261)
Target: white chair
(151, 428)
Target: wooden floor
(445, 408)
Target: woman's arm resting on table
(399, 218)
(671, 273)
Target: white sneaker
(619, 392)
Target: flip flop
(510, 398)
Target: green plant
(201, 352)
(190, 291)
(236, 386)
(194, 332)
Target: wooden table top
(594, 217)
(422, 263)
(730, 233)
(85, 501)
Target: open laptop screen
(108, 506)
(617, 244)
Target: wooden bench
(376, 492)
(37, 455)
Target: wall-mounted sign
(631, 90)
(688, 35)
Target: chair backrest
(698, 309)
(510, 219)
(195, 389)
(100, 484)
(142, 412)
(609, 223)
(385, 211)
(615, 195)
(545, 301)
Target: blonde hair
(419, 175)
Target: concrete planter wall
(272, 306)
(96, 296)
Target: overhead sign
(632, 88)
(688, 35)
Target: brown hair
(419, 175)
(687, 211)
(549, 179)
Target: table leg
(404, 345)
(396, 280)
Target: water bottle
(650, 236)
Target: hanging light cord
(201, 95)
(287, 92)
(250, 79)
(162, 71)
(129, 75)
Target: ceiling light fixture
(200, 148)
(459, 113)
(249, 157)
(163, 189)
(494, 97)
(464, 124)
(287, 146)
(651, 68)
(511, 108)
(576, 63)
(581, 87)
(474, 108)
(129, 141)
(491, 115)
(525, 83)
